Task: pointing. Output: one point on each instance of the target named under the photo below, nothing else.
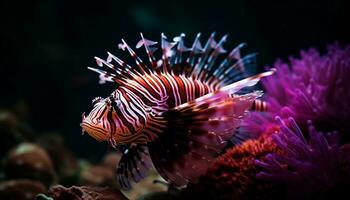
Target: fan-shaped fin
(149, 50)
(133, 166)
(199, 62)
(196, 133)
(140, 64)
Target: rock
(20, 189)
(11, 132)
(111, 160)
(64, 161)
(102, 174)
(29, 161)
(98, 175)
(85, 193)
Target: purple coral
(313, 87)
(305, 165)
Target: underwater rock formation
(282, 161)
(85, 193)
(111, 160)
(11, 132)
(98, 175)
(30, 161)
(64, 161)
(22, 189)
(102, 174)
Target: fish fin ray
(196, 133)
(133, 166)
(201, 62)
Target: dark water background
(46, 45)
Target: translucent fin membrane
(203, 63)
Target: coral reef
(37, 161)
(285, 159)
(233, 175)
(284, 163)
(313, 87)
(313, 164)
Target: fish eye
(112, 98)
(114, 102)
(96, 100)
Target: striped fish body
(176, 113)
(136, 101)
(157, 93)
(175, 89)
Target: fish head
(100, 122)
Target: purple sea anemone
(314, 87)
(307, 166)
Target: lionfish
(177, 112)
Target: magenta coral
(314, 87)
(309, 166)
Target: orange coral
(232, 175)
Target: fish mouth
(83, 116)
(94, 130)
